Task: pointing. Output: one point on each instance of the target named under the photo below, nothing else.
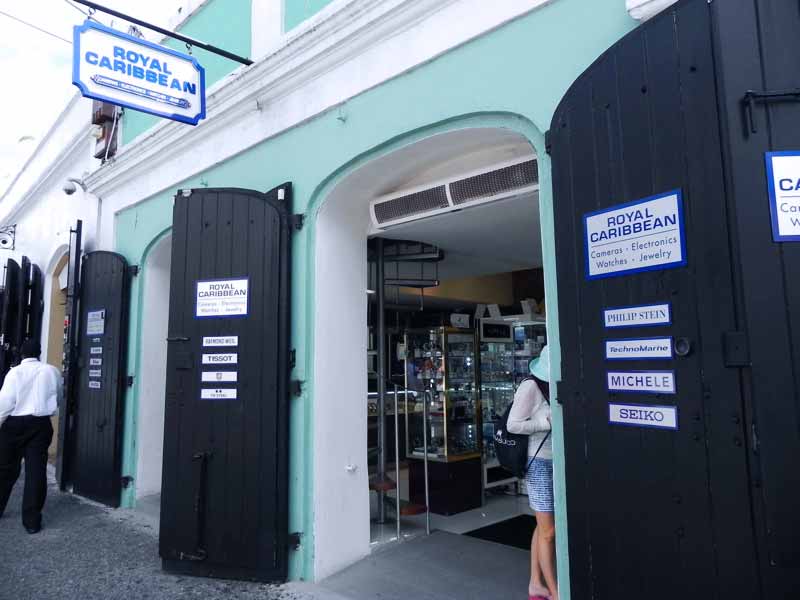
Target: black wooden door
(66, 411)
(100, 381)
(653, 512)
(759, 51)
(224, 491)
(9, 317)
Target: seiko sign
(118, 68)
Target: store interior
(463, 315)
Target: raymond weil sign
(118, 68)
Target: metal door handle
(178, 339)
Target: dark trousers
(29, 438)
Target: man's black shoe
(33, 530)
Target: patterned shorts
(540, 485)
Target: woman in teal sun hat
(530, 415)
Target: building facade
(348, 101)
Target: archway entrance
(150, 419)
(455, 219)
(55, 331)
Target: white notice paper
(220, 359)
(222, 298)
(95, 362)
(638, 316)
(221, 376)
(94, 385)
(645, 235)
(638, 415)
(639, 348)
(96, 350)
(96, 322)
(95, 372)
(650, 382)
(218, 394)
(222, 340)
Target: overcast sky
(36, 68)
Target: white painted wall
(341, 498)
(641, 10)
(267, 26)
(37, 204)
(153, 375)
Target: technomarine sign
(115, 67)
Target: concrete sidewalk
(88, 552)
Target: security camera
(71, 186)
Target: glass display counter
(506, 348)
(441, 368)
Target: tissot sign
(118, 68)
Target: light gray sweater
(530, 414)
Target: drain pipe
(380, 289)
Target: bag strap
(544, 439)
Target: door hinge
(292, 359)
(735, 349)
(126, 481)
(548, 141)
(129, 381)
(295, 540)
(296, 387)
(296, 221)
(133, 270)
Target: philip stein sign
(644, 235)
(115, 67)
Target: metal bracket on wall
(129, 381)
(753, 96)
(295, 540)
(133, 270)
(296, 221)
(127, 480)
(296, 387)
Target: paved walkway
(88, 552)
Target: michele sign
(115, 67)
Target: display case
(441, 368)
(506, 346)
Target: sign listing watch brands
(645, 235)
(115, 67)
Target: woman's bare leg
(546, 526)
(536, 586)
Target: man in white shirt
(29, 397)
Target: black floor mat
(514, 532)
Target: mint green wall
(297, 11)
(222, 23)
(512, 78)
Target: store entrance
(463, 315)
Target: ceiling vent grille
(411, 204)
(494, 182)
(478, 187)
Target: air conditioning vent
(495, 182)
(411, 204)
(490, 184)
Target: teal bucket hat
(540, 366)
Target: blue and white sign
(637, 316)
(648, 382)
(222, 298)
(639, 348)
(641, 415)
(645, 235)
(783, 179)
(121, 69)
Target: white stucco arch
(342, 226)
(153, 371)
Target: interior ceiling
(491, 238)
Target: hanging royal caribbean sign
(115, 67)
